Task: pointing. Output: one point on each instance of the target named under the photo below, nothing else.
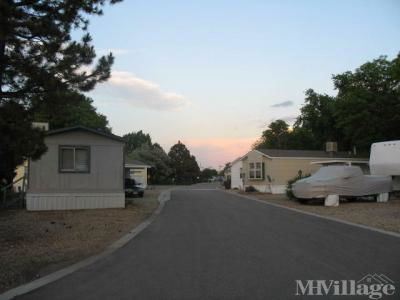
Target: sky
(214, 74)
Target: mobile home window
(75, 159)
(255, 170)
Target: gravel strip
(384, 216)
(34, 244)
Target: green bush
(227, 184)
(250, 189)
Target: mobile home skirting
(66, 201)
(263, 188)
(267, 188)
(278, 189)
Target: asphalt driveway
(207, 244)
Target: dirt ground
(33, 244)
(379, 215)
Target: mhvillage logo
(372, 285)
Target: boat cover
(342, 181)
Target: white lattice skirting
(62, 201)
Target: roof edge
(87, 129)
(305, 157)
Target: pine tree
(38, 57)
(184, 164)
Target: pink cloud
(216, 152)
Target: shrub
(250, 189)
(227, 184)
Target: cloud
(130, 89)
(217, 152)
(283, 104)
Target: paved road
(207, 244)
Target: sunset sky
(213, 74)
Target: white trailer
(385, 160)
(236, 174)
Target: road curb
(33, 285)
(391, 233)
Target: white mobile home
(236, 174)
(82, 168)
(269, 170)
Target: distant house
(137, 170)
(269, 170)
(83, 168)
(237, 174)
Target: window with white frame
(74, 159)
(255, 170)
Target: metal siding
(106, 160)
(264, 188)
(282, 170)
(278, 189)
(47, 201)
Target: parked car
(132, 189)
(340, 180)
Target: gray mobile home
(83, 168)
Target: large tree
(368, 103)
(38, 57)
(275, 136)
(15, 122)
(139, 146)
(280, 136)
(37, 53)
(318, 116)
(208, 173)
(135, 140)
(186, 169)
(365, 110)
(161, 171)
(69, 109)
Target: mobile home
(82, 168)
